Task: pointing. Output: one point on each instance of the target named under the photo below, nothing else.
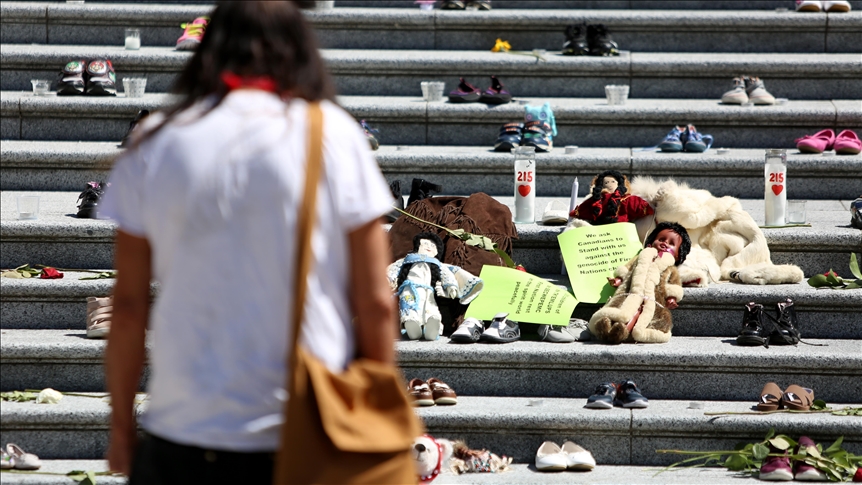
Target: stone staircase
(678, 60)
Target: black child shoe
(422, 189)
(71, 81)
(603, 397)
(752, 332)
(629, 396)
(101, 78)
(509, 138)
(88, 201)
(576, 41)
(786, 330)
(599, 41)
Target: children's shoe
(804, 472)
(496, 93)
(599, 41)
(550, 458)
(695, 142)
(603, 397)
(753, 332)
(6, 460)
(441, 392)
(99, 312)
(452, 5)
(23, 460)
(509, 138)
(756, 91)
(786, 330)
(577, 458)
(370, 135)
(420, 392)
(629, 396)
(101, 78)
(737, 95)
(465, 93)
(816, 143)
(808, 5)
(537, 134)
(673, 142)
(502, 330)
(71, 81)
(132, 125)
(479, 4)
(847, 143)
(88, 201)
(193, 35)
(576, 41)
(422, 189)
(833, 6)
(468, 332)
(776, 468)
(856, 213)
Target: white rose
(49, 396)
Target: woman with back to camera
(206, 202)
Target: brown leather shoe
(420, 392)
(442, 393)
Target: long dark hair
(255, 39)
(684, 247)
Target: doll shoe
(770, 397)
(847, 143)
(420, 392)
(441, 392)
(797, 398)
(816, 143)
(22, 459)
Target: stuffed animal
(431, 456)
(648, 287)
(466, 460)
(610, 201)
(726, 243)
(417, 277)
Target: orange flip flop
(770, 397)
(798, 398)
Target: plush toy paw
(575, 223)
(617, 333)
(768, 274)
(692, 277)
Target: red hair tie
(234, 81)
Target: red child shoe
(193, 34)
(816, 143)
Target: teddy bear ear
(447, 448)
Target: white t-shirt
(217, 198)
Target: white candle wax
(133, 43)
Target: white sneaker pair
(550, 457)
(822, 5)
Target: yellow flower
(501, 46)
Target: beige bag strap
(305, 226)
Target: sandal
(797, 398)
(770, 397)
(22, 459)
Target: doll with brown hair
(610, 201)
(648, 287)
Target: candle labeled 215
(775, 192)
(525, 185)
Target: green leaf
(736, 463)
(760, 451)
(833, 278)
(853, 285)
(834, 447)
(818, 405)
(818, 281)
(781, 442)
(854, 266)
(770, 434)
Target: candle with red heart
(775, 193)
(525, 185)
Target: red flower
(50, 274)
(521, 268)
(858, 476)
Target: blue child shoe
(695, 142)
(674, 141)
(510, 137)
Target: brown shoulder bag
(355, 427)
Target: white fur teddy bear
(431, 456)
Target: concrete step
(706, 368)
(411, 121)
(713, 311)
(58, 238)
(601, 4)
(58, 165)
(520, 474)
(399, 72)
(77, 427)
(708, 27)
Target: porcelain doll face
(427, 247)
(610, 184)
(668, 241)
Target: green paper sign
(592, 253)
(525, 297)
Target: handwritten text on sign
(591, 255)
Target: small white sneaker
(99, 312)
(468, 332)
(808, 5)
(550, 458)
(737, 95)
(578, 458)
(836, 6)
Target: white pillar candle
(775, 192)
(525, 185)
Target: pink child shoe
(848, 143)
(816, 143)
(193, 34)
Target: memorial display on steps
(419, 278)
(611, 200)
(785, 325)
(648, 288)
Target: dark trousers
(162, 462)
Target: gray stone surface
(55, 473)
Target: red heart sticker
(524, 190)
(776, 189)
